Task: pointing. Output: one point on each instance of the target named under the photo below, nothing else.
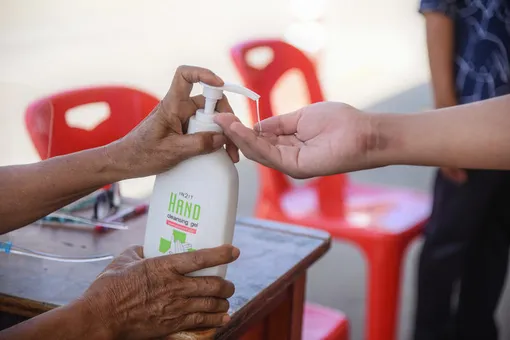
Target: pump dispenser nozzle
(203, 119)
(214, 93)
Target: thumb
(201, 143)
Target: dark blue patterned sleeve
(447, 7)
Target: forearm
(467, 136)
(74, 321)
(29, 192)
(440, 45)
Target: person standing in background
(467, 237)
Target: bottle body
(193, 206)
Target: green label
(183, 221)
(164, 245)
(183, 207)
(179, 236)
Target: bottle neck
(202, 122)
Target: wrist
(120, 164)
(91, 323)
(385, 140)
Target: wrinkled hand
(320, 139)
(158, 142)
(137, 298)
(455, 175)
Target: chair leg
(384, 268)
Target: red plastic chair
(45, 119)
(381, 221)
(321, 323)
(274, 183)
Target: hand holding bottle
(140, 298)
(159, 142)
(137, 298)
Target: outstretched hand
(321, 139)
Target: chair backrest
(262, 80)
(46, 122)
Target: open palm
(317, 140)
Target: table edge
(286, 280)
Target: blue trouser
(466, 241)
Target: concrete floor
(374, 57)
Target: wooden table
(270, 274)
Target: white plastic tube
(8, 248)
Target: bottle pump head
(203, 119)
(214, 93)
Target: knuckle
(199, 319)
(203, 143)
(160, 307)
(130, 249)
(198, 260)
(190, 286)
(185, 301)
(148, 266)
(214, 284)
(210, 303)
(149, 278)
(174, 263)
(136, 252)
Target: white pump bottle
(194, 205)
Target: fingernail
(235, 252)
(219, 141)
(226, 318)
